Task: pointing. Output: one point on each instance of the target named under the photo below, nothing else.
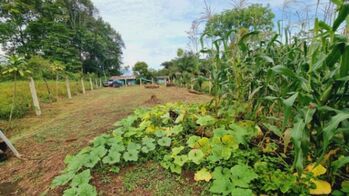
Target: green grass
(23, 102)
(151, 177)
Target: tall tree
(141, 70)
(69, 31)
(254, 17)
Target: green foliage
(254, 17)
(61, 31)
(177, 147)
(140, 69)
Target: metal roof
(123, 77)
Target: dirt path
(66, 127)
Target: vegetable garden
(277, 124)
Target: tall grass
(23, 102)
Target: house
(126, 80)
(162, 79)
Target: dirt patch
(9, 188)
(151, 86)
(153, 100)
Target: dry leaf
(322, 188)
(317, 171)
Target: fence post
(210, 86)
(91, 85)
(9, 144)
(57, 77)
(83, 86)
(35, 97)
(68, 87)
(96, 83)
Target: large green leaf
(81, 178)
(196, 156)
(297, 136)
(344, 69)
(342, 15)
(242, 175)
(331, 128)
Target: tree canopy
(254, 17)
(69, 31)
(140, 69)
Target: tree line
(66, 31)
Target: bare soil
(67, 126)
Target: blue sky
(153, 30)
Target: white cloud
(154, 29)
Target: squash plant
(172, 134)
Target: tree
(62, 30)
(254, 17)
(140, 70)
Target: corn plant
(301, 84)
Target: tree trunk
(34, 97)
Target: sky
(153, 30)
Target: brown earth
(67, 126)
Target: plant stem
(13, 98)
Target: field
(68, 125)
(46, 94)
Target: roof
(162, 77)
(123, 77)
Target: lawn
(67, 126)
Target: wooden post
(91, 85)
(96, 83)
(152, 81)
(57, 77)
(9, 144)
(68, 87)
(140, 81)
(100, 82)
(209, 85)
(35, 97)
(83, 86)
(125, 82)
